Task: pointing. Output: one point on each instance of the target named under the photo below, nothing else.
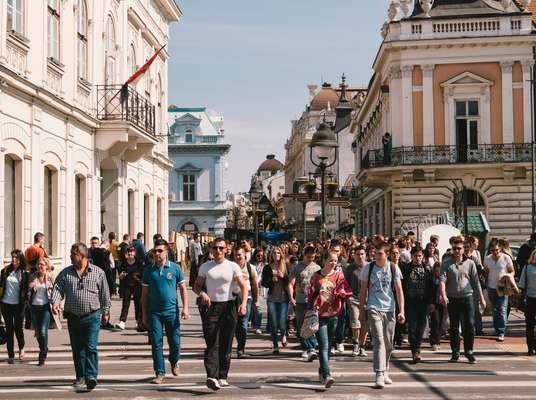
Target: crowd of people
(373, 293)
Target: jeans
(436, 322)
(462, 310)
(530, 321)
(499, 306)
(341, 325)
(41, 321)
(256, 317)
(170, 320)
(128, 293)
(309, 343)
(416, 312)
(382, 331)
(13, 315)
(325, 336)
(84, 336)
(242, 327)
(278, 317)
(219, 330)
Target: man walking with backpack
(249, 275)
(381, 282)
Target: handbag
(522, 299)
(311, 324)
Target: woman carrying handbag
(527, 282)
(327, 294)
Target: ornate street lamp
(324, 145)
(255, 193)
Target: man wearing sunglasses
(84, 288)
(220, 277)
(161, 308)
(458, 285)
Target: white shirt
(220, 279)
(496, 269)
(40, 298)
(12, 289)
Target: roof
(271, 164)
(327, 95)
(208, 121)
(460, 8)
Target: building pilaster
(407, 105)
(507, 102)
(428, 104)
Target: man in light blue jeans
(380, 280)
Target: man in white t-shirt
(497, 265)
(215, 284)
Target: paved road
(502, 372)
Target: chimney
(312, 90)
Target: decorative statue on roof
(393, 10)
(525, 4)
(506, 4)
(404, 5)
(426, 6)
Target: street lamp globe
(324, 141)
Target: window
(81, 28)
(130, 207)
(10, 199)
(188, 187)
(53, 24)
(146, 215)
(77, 206)
(467, 126)
(131, 60)
(159, 215)
(50, 201)
(15, 16)
(189, 137)
(110, 52)
(80, 209)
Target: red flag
(144, 68)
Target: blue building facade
(196, 182)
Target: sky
(251, 61)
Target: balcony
(127, 121)
(433, 155)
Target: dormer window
(189, 136)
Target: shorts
(353, 307)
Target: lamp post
(255, 192)
(324, 145)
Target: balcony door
(467, 128)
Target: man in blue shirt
(161, 308)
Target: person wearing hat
(130, 287)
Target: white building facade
(77, 157)
(196, 184)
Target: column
(527, 112)
(3, 33)
(428, 103)
(395, 123)
(507, 102)
(407, 105)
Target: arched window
(474, 199)
(81, 29)
(131, 60)
(15, 16)
(110, 52)
(159, 112)
(53, 29)
(50, 210)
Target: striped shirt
(83, 294)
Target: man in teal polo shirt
(161, 308)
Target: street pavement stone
(125, 369)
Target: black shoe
(531, 352)
(275, 352)
(471, 358)
(91, 383)
(240, 354)
(41, 362)
(454, 358)
(79, 383)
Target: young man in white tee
(215, 284)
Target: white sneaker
(328, 381)
(380, 380)
(387, 378)
(311, 355)
(120, 325)
(223, 382)
(212, 383)
(436, 347)
(500, 338)
(333, 351)
(355, 351)
(305, 354)
(362, 352)
(340, 348)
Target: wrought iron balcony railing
(113, 103)
(466, 154)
